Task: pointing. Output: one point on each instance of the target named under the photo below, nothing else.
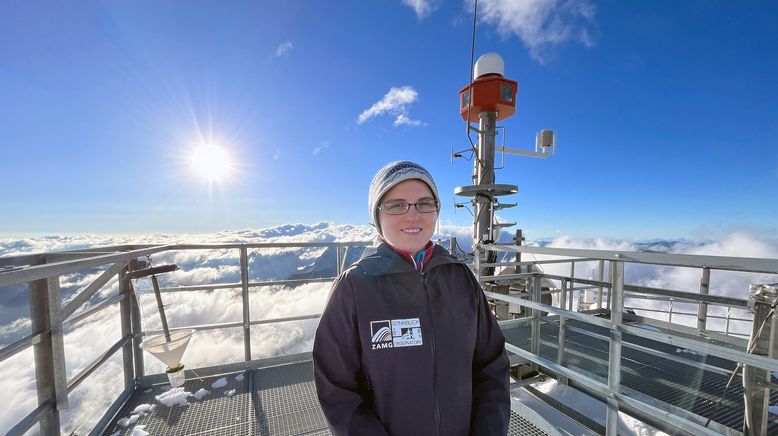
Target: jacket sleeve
(340, 384)
(491, 372)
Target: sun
(211, 162)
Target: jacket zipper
(434, 356)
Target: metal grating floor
(684, 386)
(277, 400)
(216, 414)
(286, 402)
(520, 426)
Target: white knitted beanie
(388, 177)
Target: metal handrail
(36, 272)
(33, 268)
(746, 264)
(37, 269)
(617, 292)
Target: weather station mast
(489, 98)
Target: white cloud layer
(540, 24)
(87, 339)
(396, 102)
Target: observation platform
(694, 383)
(279, 399)
(585, 372)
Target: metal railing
(42, 272)
(614, 291)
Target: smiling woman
(211, 162)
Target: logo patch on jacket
(392, 333)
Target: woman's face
(412, 230)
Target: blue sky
(665, 112)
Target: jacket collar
(418, 260)
(388, 261)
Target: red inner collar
(409, 257)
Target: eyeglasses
(401, 207)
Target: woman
(407, 344)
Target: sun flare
(211, 162)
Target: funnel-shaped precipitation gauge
(169, 347)
(170, 352)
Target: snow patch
(126, 422)
(174, 397)
(139, 431)
(143, 408)
(239, 377)
(219, 383)
(230, 393)
(201, 393)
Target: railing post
(135, 322)
(340, 259)
(570, 295)
(452, 246)
(125, 316)
(764, 341)
(614, 351)
(244, 280)
(561, 348)
(49, 353)
(702, 309)
(670, 310)
(477, 262)
(602, 278)
(535, 338)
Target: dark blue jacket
(398, 352)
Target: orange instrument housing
(491, 93)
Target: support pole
(340, 258)
(702, 309)
(570, 294)
(244, 280)
(562, 330)
(614, 350)
(764, 341)
(160, 307)
(601, 277)
(47, 373)
(483, 171)
(535, 338)
(125, 317)
(136, 326)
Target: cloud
(284, 48)
(322, 146)
(422, 7)
(540, 24)
(396, 102)
(277, 154)
(403, 120)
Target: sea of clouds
(88, 339)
